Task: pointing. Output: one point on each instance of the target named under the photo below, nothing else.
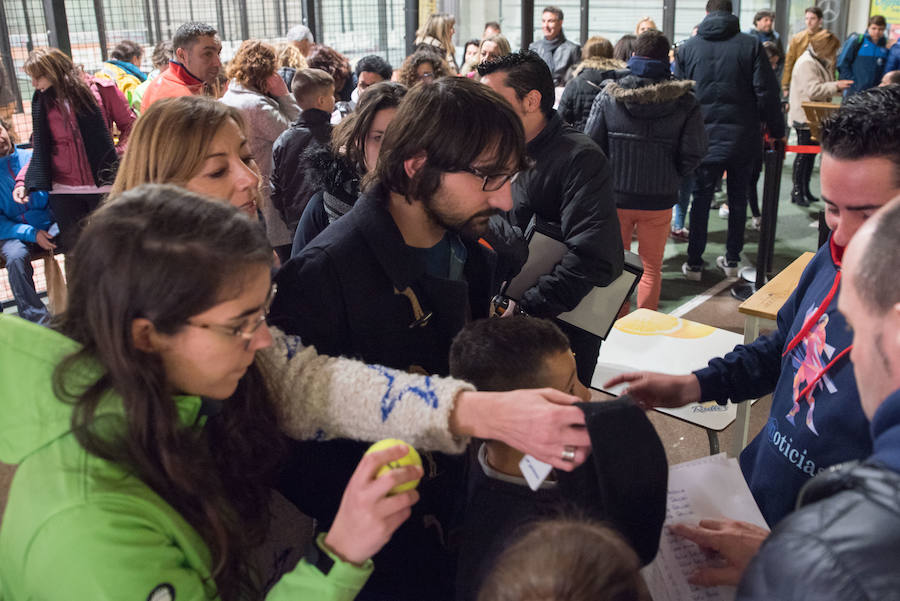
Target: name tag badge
(535, 471)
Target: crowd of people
(272, 263)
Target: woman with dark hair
(268, 108)
(597, 65)
(124, 68)
(74, 157)
(424, 65)
(355, 142)
(149, 436)
(335, 64)
(624, 48)
(471, 56)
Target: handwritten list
(711, 487)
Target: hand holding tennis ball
(372, 508)
(411, 458)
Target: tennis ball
(411, 458)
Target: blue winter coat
(863, 62)
(893, 60)
(20, 221)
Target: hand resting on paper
(733, 544)
(651, 389)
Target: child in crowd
(566, 560)
(291, 188)
(500, 355)
(23, 230)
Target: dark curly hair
(253, 64)
(332, 62)
(525, 71)
(408, 70)
(863, 127)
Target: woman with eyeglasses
(146, 424)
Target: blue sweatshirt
(863, 62)
(20, 222)
(816, 419)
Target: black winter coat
(570, 184)
(735, 86)
(575, 102)
(341, 295)
(845, 547)
(843, 544)
(291, 186)
(652, 131)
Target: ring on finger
(568, 454)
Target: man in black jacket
(736, 89)
(844, 542)
(393, 281)
(570, 185)
(558, 52)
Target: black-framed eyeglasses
(491, 183)
(246, 329)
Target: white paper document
(707, 488)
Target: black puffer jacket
(575, 102)
(844, 543)
(652, 131)
(570, 184)
(735, 86)
(291, 188)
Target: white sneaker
(730, 268)
(755, 223)
(691, 273)
(723, 211)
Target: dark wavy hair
(453, 122)
(165, 254)
(349, 136)
(253, 63)
(525, 71)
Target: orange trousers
(652, 232)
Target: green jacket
(79, 527)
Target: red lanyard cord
(814, 318)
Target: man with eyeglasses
(570, 185)
(393, 281)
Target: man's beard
(467, 228)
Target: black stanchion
(774, 161)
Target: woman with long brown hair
(74, 157)
(437, 34)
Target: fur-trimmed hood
(599, 64)
(647, 98)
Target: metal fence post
(669, 19)
(527, 23)
(584, 21)
(245, 22)
(383, 26)
(412, 24)
(101, 29)
(6, 55)
(57, 25)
